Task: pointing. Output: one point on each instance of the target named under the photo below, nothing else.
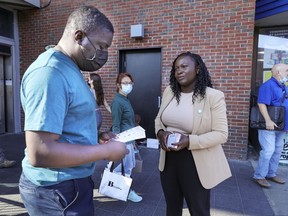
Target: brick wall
(220, 31)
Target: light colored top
(179, 117)
(209, 131)
(56, 99)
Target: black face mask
(96, 62)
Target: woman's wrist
(188, 145)
(159, 131)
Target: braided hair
(98, 88)
(203, 78)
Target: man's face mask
(284, 79)
(99, 58)
(96, 62)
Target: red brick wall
(221, 31)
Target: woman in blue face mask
(122, 120)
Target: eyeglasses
(127, 83)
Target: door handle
(159, 101)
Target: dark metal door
(2, 97)
(6, 90)
(145, 67)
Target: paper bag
(115, 185)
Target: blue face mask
(284, 79)
(126, 89)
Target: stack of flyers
(131, 134)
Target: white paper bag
(115, 185)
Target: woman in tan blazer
(195, 112)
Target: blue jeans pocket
(72, 197)
(65, 196)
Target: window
(272, 49)
(6, 23)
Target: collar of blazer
(198, 111)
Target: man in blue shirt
(272, 92)
(60, 120)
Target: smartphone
(173, 138)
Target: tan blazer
(209, 131)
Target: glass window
(5, 50)
(272, 49)
(6, 23)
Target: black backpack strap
(284, 93)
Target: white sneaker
(7, 163)
(134, 197)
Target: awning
(271, 13)
(20, 4)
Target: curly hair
(203, 78)
(97, 84)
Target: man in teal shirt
(60, 123)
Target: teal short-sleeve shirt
(56, 99)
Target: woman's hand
(162, 137)
(183, 142)
(104, 137)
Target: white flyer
(131, 134)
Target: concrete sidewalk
(237, 196)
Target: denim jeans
(73, 197)
(271, 143)
(128, 160)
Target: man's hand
(44, 150)
(270, 125)
(116, 150)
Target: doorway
(6, 91)
(145, 67)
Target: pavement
(236, 196)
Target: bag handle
(122, 167)
(283, 86)
(138, 155)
